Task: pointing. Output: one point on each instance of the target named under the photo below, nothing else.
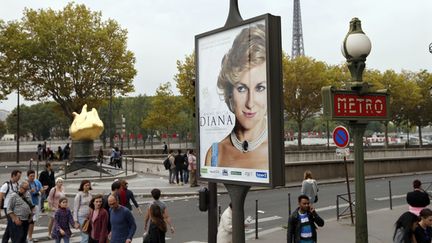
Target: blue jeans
(65, 239)
(84, 236)
(6, 235)
(18, 233)
(186, 176)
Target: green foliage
(3, 129)
(303, 78)
(185, 81)
(42, 120)
(71, 56)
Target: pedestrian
(158, 227)
(404, 228)
(423, 231)
(39, 152)
(54, 196)
(125, 196)
(224, 234)
(115, 187)
(309, 187)
(179, 161)
(172, 170)
(123, 224)
(303, 222)
(165, 148)
(66, 152)
(35, 189)
(20, 211)
(47, 178)
(100, 155)
(59, 154)
(99, 220)
(63, 220)
(186, 167)
(6, 191)
(192, 168)
(417, 199)
(156, 193)
(116, 158)
(81, 206)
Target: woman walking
(157, 228)
(309, 187)
(98, 217)
(54, 196)
(81, 206)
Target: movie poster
(233, 91)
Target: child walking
(62, 221)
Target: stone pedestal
(83, 157)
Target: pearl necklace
(247, 146)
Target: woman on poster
(242, 82)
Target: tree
(303, 78)
(3, 129)
(185, 80)
(163, 114)
(71, 56)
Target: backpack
(7, 191)
(167, 163)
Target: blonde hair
(248, 51)
(59, 179)
(307, 175)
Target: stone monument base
(83, 157)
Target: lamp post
(356, 47)
(18, 127)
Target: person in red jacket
(98, 217)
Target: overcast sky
(162, 31)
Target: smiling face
(249, 97)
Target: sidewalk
(380, 229)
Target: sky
(160, 32)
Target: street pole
(238, 195)
(328, 136)
(110, 117)
(358, 129)
(348, 190)
(212, 213)
(18, 127)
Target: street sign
(350, 105)
(343, 152)
(341, 137)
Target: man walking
(20, 211)
(172, 169)
(302, 223)
(123, 224)
(179, 161)
(6, 191)
(156, 193)
(35, 188)
(47, 180)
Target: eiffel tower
(297, 35)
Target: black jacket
(418, 199)
(47, 179)
(293, 231)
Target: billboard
(236, 114)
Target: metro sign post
(358, 106)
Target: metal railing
(344, 209)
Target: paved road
(191, 224)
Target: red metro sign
(350, 105)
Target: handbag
(316, 198)
(147, 238)
(86, 228)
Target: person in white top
(81, 206)
(309, 187)
(224, 234)
(6, 191)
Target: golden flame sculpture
(86, 125)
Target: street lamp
(356, 47)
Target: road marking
(264, 232)
(387, 198)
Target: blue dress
(214, 157)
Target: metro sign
(350, 105)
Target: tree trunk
(299, 135)
(420, 136)
(386, 142)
